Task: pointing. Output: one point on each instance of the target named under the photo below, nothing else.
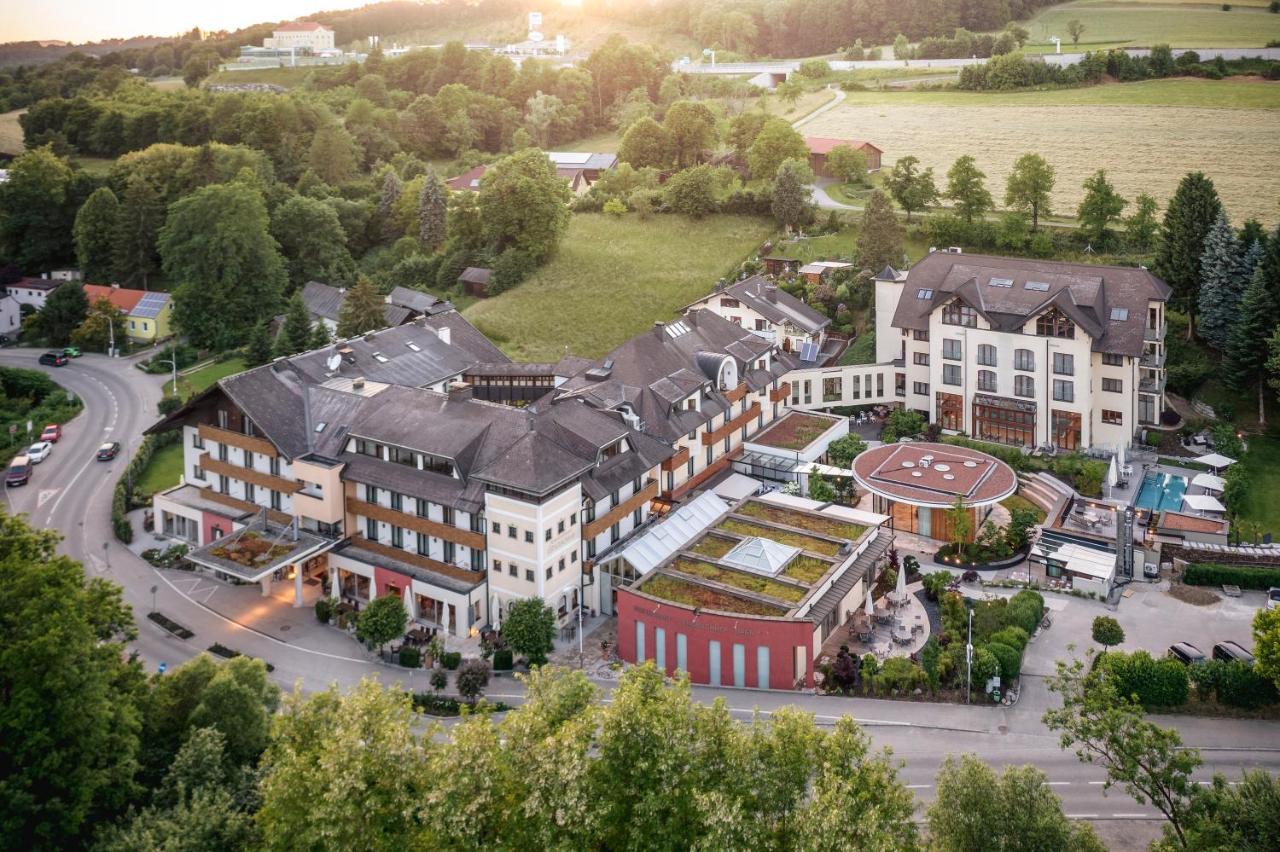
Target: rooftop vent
(459, 391)
(925, 461)
(357, 383)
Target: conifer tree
(1187, 221)
(880, 238)
(1246, 356)
(95, 234)
(295, 336)
(1222, 283)
(432, 212)
(258, 351)
(363, 310)
(320, 336)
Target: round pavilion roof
(924, 474)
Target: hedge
(1010, 660)
(1236, 684)
(502, 660)
(1155, 683)
(122, 497)
(1013, 636)
(1246, 577)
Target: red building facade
(716, 649)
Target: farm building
(820, 147)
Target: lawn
(612, 279)
(1015, 501)
(841, 244)
(1110, 24)
(1262, 462)
(161, 472)
(192, 383)
(286, 77)
(11, 133)
(1147, 135)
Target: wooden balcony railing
(244, 505)
(617, 513)
(408, 521)
(737, 393)
(418, 560)
(252, 443)
(782, 393)
(677, 461)
(244, 474)
(753, 411)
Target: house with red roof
(301, 36)
(148, 315)
(820, 147)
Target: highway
(71, 492)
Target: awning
(1215, 460)
(1087, 562)
(1209, 481)
(736, 486)
(1203, 503)
(258, 549)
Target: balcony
(243, 505)
(709, 438)
(676, 461)
(1153, 334)
(252, 443)
(781, 394)
(244, 474)
(617, 513)
(1153, 360)
(405, 520)
(737, 393)
(1152, 385)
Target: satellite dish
(334, 361)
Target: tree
(881, 235)
(1140, 228)
(1246, 357)
(102, 324)
(744, 129)
(960, 520)
(1187, 220)
(140, 219)
(847, 164)
(789, 91)
(792, 199)
(295, 333)
(1075, 29)
(843, 450)
(1243, 815)
(362, 310)
(543, 114)
(1224, 274)
(692, 192)
(1266, 643)
(646, 144)
(1100, 207)
(776, 143)
(692, 129)
(529, 627)
(68, 708)
(433, 205)
(911, 188)
(334, 154)
(524, 204)
(258, 350)
(820, 489)
(320, 336)
(95, 234)
(976, 808)
(312, 241)
(966, 187)
(901, 423)
(63, 312)
(215, 243)
(1029, 186)
(1110, 730)
(1107, 632)
(1018, 533)
(473, 677)
(36, 209)
(901, 47)
(382, 620)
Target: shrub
(436, 705)
(985, 667)
(614, 207)
(410, 657)
(511, 267)
(1107, 631)
(901, 674)
(931, 662)
(1010, 660)
(1025, 610)
(935, 583)
(324, 610)
(1155, 683)
(168, 405)
(1235, 684)
(439, 679)
(451, 660)
(502, 660)
(473, 677)
(1244, 576)
(1013, 636)
(814, 69)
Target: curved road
(71, 492)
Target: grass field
(613, 278)
(1146, 135)
(161, 472)
(1263, 464)
(192, 383)
(286, 77)
(11, 133)
(1109, 23)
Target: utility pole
(111, 330)
(968, 662)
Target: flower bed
(679, 591)
(806, 569)
(230, 653)
(800, 540)
(739, 579)
(826, 526)
(251, 550)
(169, 624)
(713, 546)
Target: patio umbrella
(1120, 456)
(1215, 460)
(901, 592)
(870, 607)
(448, 620)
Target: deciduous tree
(473, 677)
(313, 242)
(101, 322)
(1266, 643)
(1187, 220)
(524, 204)
(843, 450)
(646, 144)
(692, 192)
(881, 235)
(1141, 227)
(334, 154)
(95, 234)
(847, 164)
(776, 143)
(912, 188)
(1100, 207)
(1029, 187)
(36, 212)
(1107, 632)
(692, 128)
(382, 620)
(967, 188)
(1075, 29)
(63, 312)
(529, 627)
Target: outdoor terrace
(795, 431)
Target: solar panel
(677, 328)
(150, 305)
(809, 351)
(1038, 286)
(1001, 282)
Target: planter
(995, 565)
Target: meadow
(1110, 23)
(1146, 135)
(611, 279)
(11, 133)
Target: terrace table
(902, 635)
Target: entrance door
(606, 592)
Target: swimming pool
(1161, 491)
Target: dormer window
(1054, 323)
(958, 313)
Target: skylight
(320, 426)
(1001, 282)
(1119, 314)
(378, 356)
(1038, 286)
(415, 347)
(924, 294)
(677, 328)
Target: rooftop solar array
(150, 306)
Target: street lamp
(172, 362)
(153, 598)
(968, 662)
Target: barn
(820, 147)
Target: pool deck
(1128, 496)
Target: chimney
(771, 292)
(460, 391)
(659, 328)
(446, 336)
(357, 383)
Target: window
(559, 527)
(1000, 282)
(1037, 286)
(951, 374)
(1024, 359)
(397, 537)
(1054, 323)
(1024, 386)
(197, 472)
(1115, 418)
(497, 528)
(1064, 391)
(573, 557)
(726, 302)
(986, 355)
(424, 549)
(1119, 314)
(762, 666)
(957, 313)
(560, 567)
(197, 441)
(1113, 385)
(921, 358)
(370, 494)
(223, 454)
(511, 569)
(276, 501)
(528, 575)
(924, 293)
(250, 492)
(1110, 359)
(371, 529)
(528, 536)
(951, 349)
(548, 572)
(920, 335)
(1064, 364)
(987, 381)
(921, 388)
(248, 460)
(450, 549)
(511, 532)
(273, 464)
(397, 501)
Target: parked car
(52, 433)
(1273, 597)
(72, 351)
(1230, 652)
(39, 451)
(19, 472)
(53, 359)
(1186, 653)
(108, 451)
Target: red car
(51, 433)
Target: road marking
(919, 786)
(46, 495)
(1132, 816)
(114, 417)
(1059, 783)
(1096, 783)
(1082, 816)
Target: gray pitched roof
(409, 354)
(476, 275)
(774, 304)
(324, 301)
(465, 336)
(414, 300)
(1089, 294)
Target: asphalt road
(71, 492)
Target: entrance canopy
(259, 549)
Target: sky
(93, 20)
